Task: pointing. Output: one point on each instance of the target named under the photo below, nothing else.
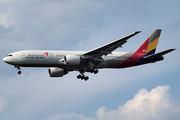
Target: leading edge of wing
(108, 48)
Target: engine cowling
(56, 72)
(72, 60)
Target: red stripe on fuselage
(136, 56)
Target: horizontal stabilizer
(159, 54)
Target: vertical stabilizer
(153, 41)
(149, 46)
(146, 52)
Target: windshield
(9, 55)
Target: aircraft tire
(82, 77)
(86, 78)
(19, 72)
(79, 76)
(96, 71)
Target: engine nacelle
(56, 72)
(72, 60)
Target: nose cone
(7, 60)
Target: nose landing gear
(19, 71)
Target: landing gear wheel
(96, 71)
(91, 70)
(86, 78)
(82, 77)
(79, 76)
(19, 72)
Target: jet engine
(56, 72)
(72, 60)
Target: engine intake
(56, 72)
(72, 60)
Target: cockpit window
(9, 55)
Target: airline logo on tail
(153, 41)
(149, 46)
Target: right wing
(109, 48)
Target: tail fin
(149, 46)
(145, 53)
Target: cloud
(3, 103)
(7, 18)
(49, 25)
(5, 2)
(69, 116)
(51, 95)
(156, 104)
(9, 105)
(146, 105)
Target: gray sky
(144, 92)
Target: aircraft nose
(7, 60)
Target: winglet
(137, 32)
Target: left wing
(110, 47)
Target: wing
(110, 47)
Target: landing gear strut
(19, 72)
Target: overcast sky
(148, 92)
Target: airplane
(61, 63)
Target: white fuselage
(43, 58)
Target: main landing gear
(19, 71)
(92, 71)
(83, 77)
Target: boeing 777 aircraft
(62, 62)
